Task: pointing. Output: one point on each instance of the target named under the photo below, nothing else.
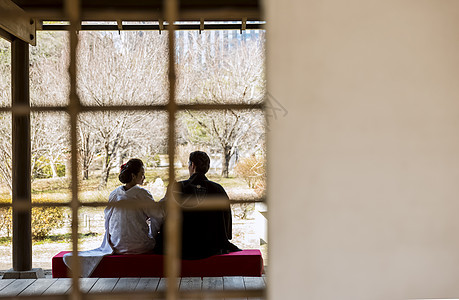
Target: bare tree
(49, 84)
(49, 141)
(116, 69)
(130, 68)
(222, 71)
(87, 147)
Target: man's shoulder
(215, 184)
(212, 186)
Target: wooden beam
(22, 232)
(6, 35)
(17, 22)
(148, 15)
(199, 27)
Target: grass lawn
(54, 238)
(58, 189)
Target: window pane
(51, 230)
(235, 143)
(127, 68)
(228, 136)
(50, 174)
(49, 79)
(220, 66)
(50, 152)
(109, 139)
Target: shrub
(6, 220)
(252, 170)
(42, 168)
(156, 160)
(44, 220)
(260, 188)
(151, 161)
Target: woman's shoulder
(140, 191)
(117, 194)
(118, 190)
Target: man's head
(199, 162)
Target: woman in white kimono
(126, 228)
(128, 231)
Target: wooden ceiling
(136, 10)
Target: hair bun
(127, 170)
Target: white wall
(364, 169)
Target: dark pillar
(22, 232)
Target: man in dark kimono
(204, 232)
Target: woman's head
(132, 171)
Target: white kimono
(126, 230)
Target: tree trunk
(105, 167)
(85, 173)
(226, 161)
(68, 166)
(119, 158)
(53, 168)
(86, 155)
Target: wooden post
(22, 231)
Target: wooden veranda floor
(62, 286)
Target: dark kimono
(204, 233)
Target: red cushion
(241, 263)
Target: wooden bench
(242, 263)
